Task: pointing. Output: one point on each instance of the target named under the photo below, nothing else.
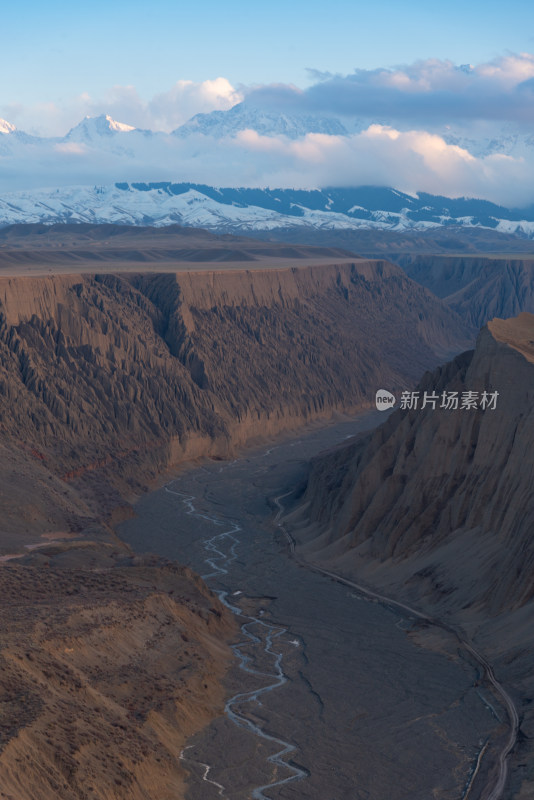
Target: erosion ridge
(478, 288)
(435, 478)
(105, 380)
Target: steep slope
(435, 509)
(443, 498)
(477, 288)
(102, 375)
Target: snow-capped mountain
(5, 126)
(13, 141)
(103, 131)
(105, 150)
(249, 210)
(242, 117)
(92, 129)
(480, 140)
(105, 135)
(485, 139)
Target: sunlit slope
(103, 376)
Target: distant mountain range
(115, 147)
(260, 210)
(105, 132)
(101, 130)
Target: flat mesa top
(68, 249)
(118, 266)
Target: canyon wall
(444, 497)
(435, 509)
(106, 379)
(478, 288)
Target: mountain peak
(266, 122)
(93, 127)
(113, 125)
(5, 126)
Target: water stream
(221, 552)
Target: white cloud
(426, 93)
(509, 70)
(412, 114)
(186, 98)
(413, 160)
(164, 111)
(70, 148)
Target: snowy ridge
(267, 123)
(479, 140)
(5, 126)
(242, 210)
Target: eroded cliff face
(477, 288)
(442, 498)
(435, 509)
(106, 380)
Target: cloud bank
(163, 112)
(425, 93)
(418, 130)
(410, 161)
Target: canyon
(353, 696)
(107, 379)
(130, 356)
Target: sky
(399, 65)
(54, 52)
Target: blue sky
(388, 69)
(52, 51)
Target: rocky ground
(107, 663)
